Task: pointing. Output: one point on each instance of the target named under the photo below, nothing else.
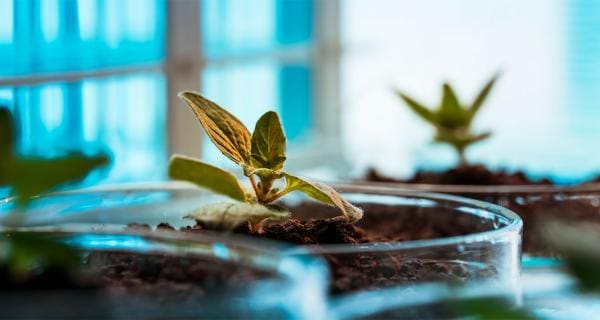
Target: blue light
(109, 242)
(221, 251)
(124, 116)
(6, 21)
(47, 36)
(49, 11)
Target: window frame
(184, 62)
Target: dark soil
(535, 208)
(355, 271)
(463, 175)
(350, 271)
(142, 272)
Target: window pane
(250, 89)
(124, 116)
(66, 35)
(583, 68)
(244, 27)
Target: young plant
(261, 156)
(452, 120)
(28, 177)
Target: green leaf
(207, 176)
(578, 244)
(263, 173)
(476, 106)
(419, 109)
(268, 143)
(460, 138)
(224, 130)
(323, 193)
(227, 216)
(28, 250)
(6, 144)
(450, 114)
(488, 309)
(33, 176)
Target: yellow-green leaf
(481, 97)
(33, 176)
(206, 176)
(418, 108)
(451, 115)
(460, 138)
(263, 173)
(323, 193)
(224, 130)
(227, 216)
(268, 143)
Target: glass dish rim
(275, 250)
(467, 189)
(514, 226)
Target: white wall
(416, 45)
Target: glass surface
(535, 204)
(543, 112)
(235, 278)
(488, 249)
(124, 116)
(49, 36)
(243, 28)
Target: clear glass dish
(233, 277)
(535, 204)
(486, 247)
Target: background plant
(27, 177)
(452, 120)
(261, 156)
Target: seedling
(28, 177)
(261, 157)
(452, 120)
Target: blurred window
(86, 75)
(97, 75)
(259, 57)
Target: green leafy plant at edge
(28, 177)
(261, 156)
(452, 120)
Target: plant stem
(256, 191)
(277, 196)
(462, 159)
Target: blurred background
(97, 75)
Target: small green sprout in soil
(261, 157)
(452, 120)
(26, 178)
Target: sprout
(451, 119)
(261, 156)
